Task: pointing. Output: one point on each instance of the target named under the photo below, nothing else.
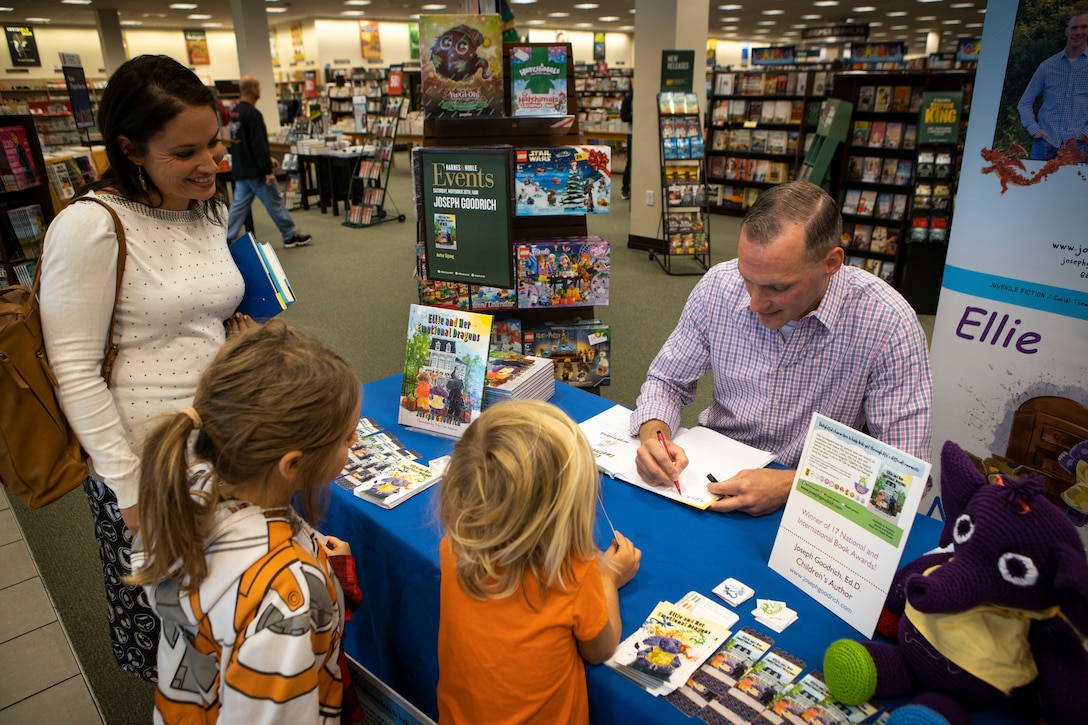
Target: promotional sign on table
(847, 519)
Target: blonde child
(252, 612)
(525, 594)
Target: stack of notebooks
(381, 470)
(512, 376)
(268, 292)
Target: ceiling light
(534, 22)
(359, 3)
(926, 18)
(522, 2)
(897, 14)
(731, 20)
(973, 25)
(7, 10)
(826, 3)
(211, 25)
(774, 12)
(730, 27)
(39, 20)
(131, 23)
(199, 16)
(799, 26)
(865, 9)
(899, 27)
(929, 1)
(182, 6)
(961, 6)
(275, 10)
(75, 2)
(951, 22)
(352, 13)
(767, 22)
(730, 7)
(586, 6)
(609, 18)
(810, 17)
(433, 7)
(762, 30)
(627, 27)
(558, 15)
(583, 25)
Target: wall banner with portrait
(1010, 342)
(22, 46)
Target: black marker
(710, 477)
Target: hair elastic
(193, 416)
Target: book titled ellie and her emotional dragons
(445, 361)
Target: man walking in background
(253, 168)
(1062, 80)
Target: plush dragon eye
(1018, 569)
(965, 526)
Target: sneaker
(625, 195)
(299, 240)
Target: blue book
(262, 299)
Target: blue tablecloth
(394, 633)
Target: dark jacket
(250, 157)
(625, 107)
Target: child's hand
(239, 323)
(622, 559)
(337, 547)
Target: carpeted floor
(354, 287)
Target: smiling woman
(179, 285)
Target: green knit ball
(850, 672)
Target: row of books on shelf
(879, 170)
(870, 238)
(685, 195)
(570, 271)
(682, 147)
(731, 196)
(876, 204)
(932, 196)
(686, 233)
(612, 84)
(24, 273)
(732, 168)
(677, 102)
(934, 164)
(384, 126)
(928, 228)
(29, 226)
(66, 175)
(754, 140)
(361, 214)
(768, 111)
(770, 83)
(889, 99)
(370, 169)
(884, 134)
(883, 268)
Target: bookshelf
(366, 196)
(25, 206)
(563, 330)
(370, 83)
(600, 91)
(895, 198)
(685, 216)
(760, 125)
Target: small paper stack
(512, 376)
(381, 470)
(774, 614)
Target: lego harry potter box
(563, 180)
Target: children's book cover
(444, 363)
(396, 483)
(563, 180)
(580, 352)
(538, 79)
(667, 648)
(461, 65)
(573, 271)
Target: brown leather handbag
(40, 457)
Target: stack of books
(512, 376)
(381, 470)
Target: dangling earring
(143, 181)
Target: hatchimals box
(563, 180)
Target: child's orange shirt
(504, 661)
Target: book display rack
(761, 124)
(25, 205)
(893, 193)
(367, 190)
(685, 217)
(558, 271)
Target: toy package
(506, 335)
(538, 80)
(461, 65)
(563, 180)
(570, 271)
(484, 297)
(580, 352)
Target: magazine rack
(369, 183)
(685, 217)
(25, 205)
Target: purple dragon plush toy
(998, 622)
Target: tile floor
(40, 679)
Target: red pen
(661, 440)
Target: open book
(708, 451)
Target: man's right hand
(652, 461)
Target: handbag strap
(122, 253)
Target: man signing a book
(787, 330)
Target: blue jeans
(1041, 150)
(269, 194)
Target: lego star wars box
(563, 180)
